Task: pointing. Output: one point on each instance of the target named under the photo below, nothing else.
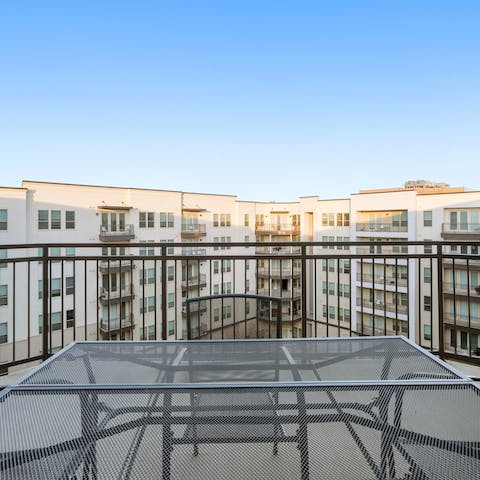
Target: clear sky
(268, 100)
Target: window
(69, 285)
(70, 251)
(56, 321)
(170, 272)
(463, 339)
(215, 266)
(427, 275)
(453, 337)
(171, 300)
(166, 219)
(146, 220)
(331, 288)
(3, 294)
(147, 304)
(3, 332)
(43, 219)
(246, 220)
(227, 311)
(70, 219)
(3, 219)
(55, 287)
(324, 219)
(339, 220)
(147, 251)
(331, 312)
(148, 333)
(171, 327)
(331, 219)
(428, 248)
(70, 318)
(3, 256)
(147, 276)
(55, 220)
(427, 218)
(227, 287)
(226, 266)
(427, 303)
(216, 289)
(216, 314)
(427, 332)
(346, 219)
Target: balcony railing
(382, 227)
(79, 314)
(194, 231)
(459, 229)
(125, 292)
(195, 281)
(277, 228)
(122, 234)
(115, 324)
(388, 280)
(113, 266)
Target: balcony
(272, 250)
(460, 231)
(113, 266)
(379, 305)
(195, 308)
(277, 229)
(277, 272)
(23, 344)
(194, 231)
(389, 280)
(195, 281)
(288, 294)
(450, 288)
(461, 320)
(115, 294)
(121, 235)
(194, 251)
(116, 324)
(382, 227)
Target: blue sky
(269, 100)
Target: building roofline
(13, 188)
(125, 188)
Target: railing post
(189, 324)
(45, 285)
(304, 291)
(440, 300)
(279, 319)
(164, 292)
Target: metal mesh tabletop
(300, 409)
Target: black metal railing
(425, 290)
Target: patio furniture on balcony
(350, 408)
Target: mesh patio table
(360, 408)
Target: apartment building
(370, 296)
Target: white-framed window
(246, 220)
(147, 304)
(69, 285)
(3, 294)
(42, 219)
(3, 332)
(70, 219)
(3, 256)
(147, 276)
(3, 219)
(146, 220)
(427, 218)
(166, 219)
(55, 219)
(171, 300)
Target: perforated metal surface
(240, 361)
(404, 416)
